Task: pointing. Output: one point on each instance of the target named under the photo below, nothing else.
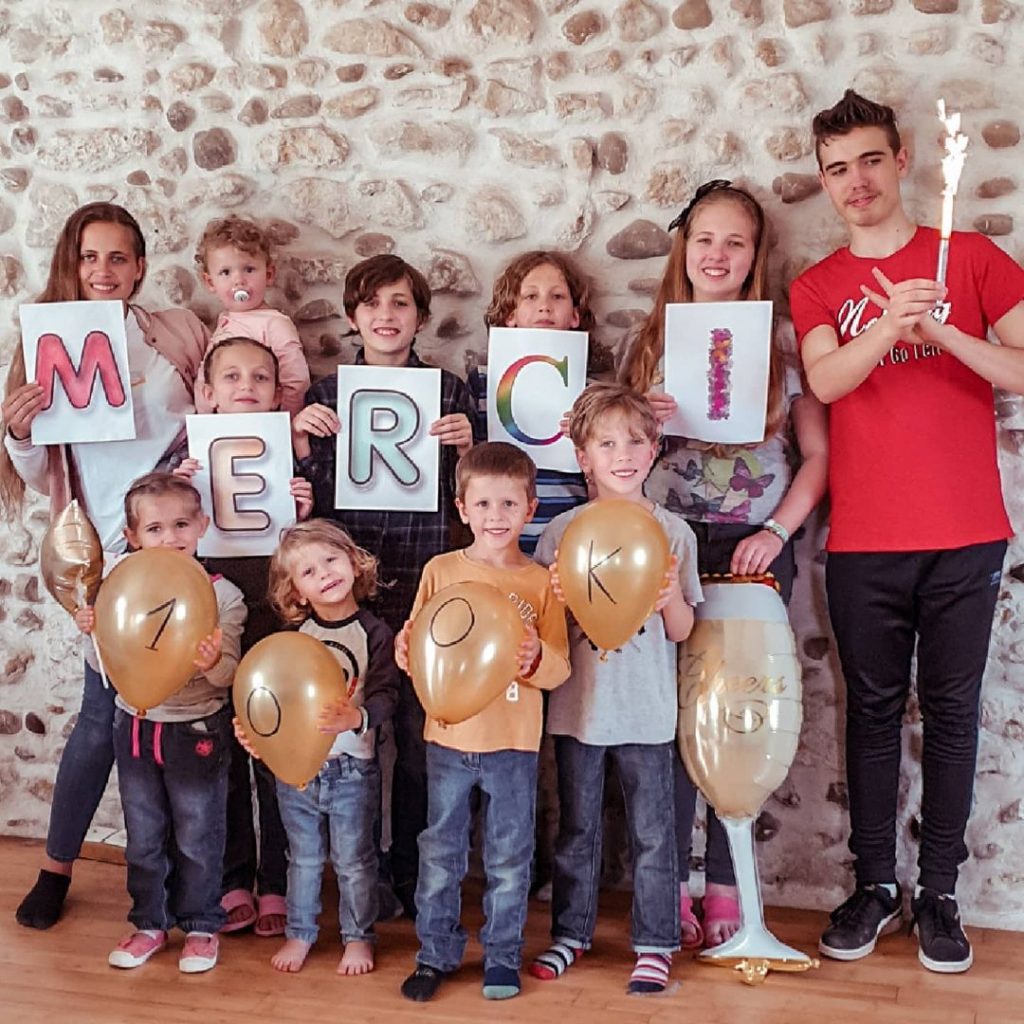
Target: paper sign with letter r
(533, 377)
(244, 480)
(78, 353)
(387, 459)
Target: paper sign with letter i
(387, 458)
(245, 480)
(78, 353)
(717, 357)
(533, 377)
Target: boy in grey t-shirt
(623, 708)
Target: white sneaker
(137, 948)
(199, 953)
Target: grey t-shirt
(631, 696)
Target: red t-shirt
(913, 448)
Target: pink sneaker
(199, 953)
(137, 948)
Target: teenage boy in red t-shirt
(918, 528)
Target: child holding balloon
(319, 577)
(621, 706)
(100, 255)
(172, 759)
(493, 752)
(242, 375)
(742, 501)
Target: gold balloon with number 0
(71, 559)
(462, 650)
(612, 561)
(280, 688)
(151, 613)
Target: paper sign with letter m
(77, 352)
(386, 458)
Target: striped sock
(554, 961)
(650, 973)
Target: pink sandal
(720, 910)
(270, 906)
(687, 916)
(232, 901)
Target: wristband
(364, 723)
(777, 528)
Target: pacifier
(241, 295)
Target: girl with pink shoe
(743, 501)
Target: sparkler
(955, 144)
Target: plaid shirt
(403, 541)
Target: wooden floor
(62, 975)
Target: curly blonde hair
(281, 591)
(243, 234)
(508, 284)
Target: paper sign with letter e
(245, 480)
(533, 377)
(78, 353)
(717, 356)
(387, 459)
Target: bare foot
(692, 935)
(241, 913)
(720, 926)
(291, 956)
(357, 959)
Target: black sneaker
(858, 923)
(423, 983)
(943, 947)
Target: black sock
(423, 983)
(42, 906)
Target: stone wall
(458, 134)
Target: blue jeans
(507, 781)
(645, 771)
(173, 778)
(333, 816)
(84, 769)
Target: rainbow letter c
(504, 396)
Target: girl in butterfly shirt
(742, 501)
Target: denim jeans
(645, 771)
(879, 604)
(84, 769)
(246, 862)
(173, 778)
(507, 785)
(333, 817)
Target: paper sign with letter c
(244, 480)
(78, 354)
(386, 457)
(533, 377)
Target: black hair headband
(705, 189)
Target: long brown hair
(648, 346)
(62, 285)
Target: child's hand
(755, 553)
(664, 406)
(563, 424)
(528, 653)
(188, 468)
(209, 651)
(454, 429)
(556, 583)
(402, 648)
(670, 586)
(243, 740)
(85, 619)
(339, 716)
(302, 491)
(315, 419)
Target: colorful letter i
(719, 367)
